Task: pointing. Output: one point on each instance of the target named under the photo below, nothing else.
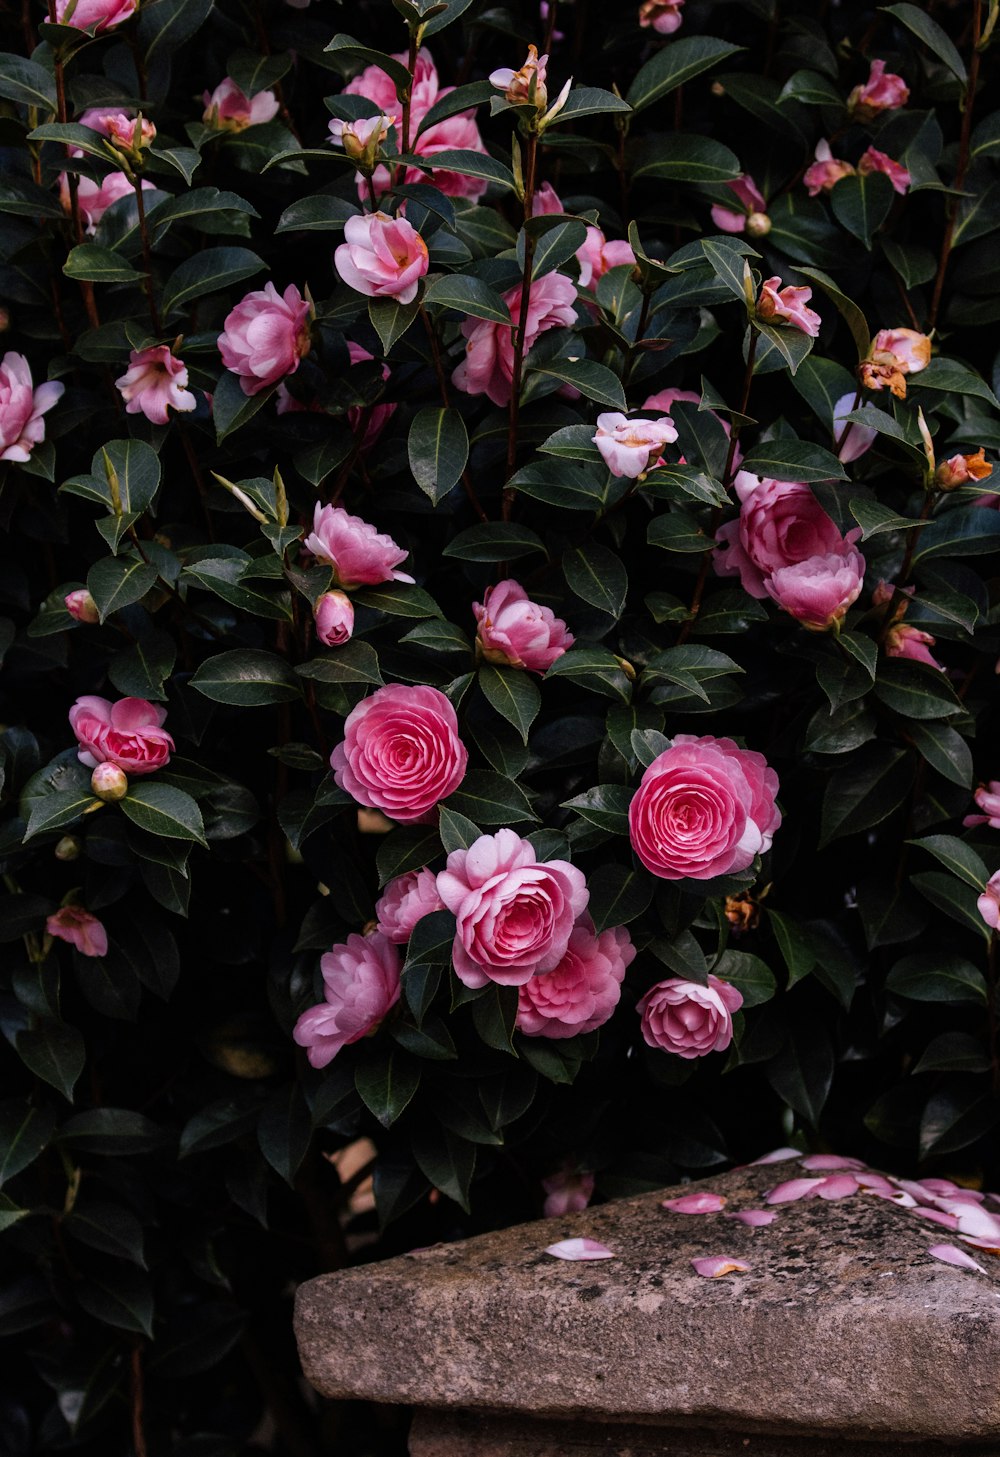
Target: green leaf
(956, 1116)
(349, 49)
(56, 811)
(953, 897)
(513, 693)
(390, 319)
(24, 1132)
(606, 806)
(874, 518)
(678, 62)
(164, 25)
(953, 378)
(113, 1132)
(589, 101)
(618, 894)
(438, 450)
(456, 99)
(595, 381)
(284, 1131)
(456, 831)
(209, 271)
(802, 1072)
(55, 1052)
(748, 974)
(116, 582)
(595, 669)
(967, 531)
(407, 847)
(555, 246)
(597, 576)
(677, 531)
(247, 678)
(386, 1083)
(954, 1052)
(446, 1161)
(847, 308)
(253, 72)
(861, 203)
(355, 662)
(678, 158)
(122, 1298)
(958, 857)
(466, 163)
(493, 1016)
(490, 799)
(399, 600)
(936, 977)
(797, 947)
(160, 809)
(143, 669)
(99, 265)
(865, 792)
(920, 23)
(494, 541)
(319, 213)
(109, 1228)
(27, 83)
(231, 407)
(916, 690)
(944, 750)
(794, 460)
(468, 295)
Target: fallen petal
(713, 1266)
(837, 1186)
(777, 1156)
(950, 1221)
(952, 1255)
(816, 1161)
(878, 1183)
(580, 1249)
(992, 1246)
(753, 1217)
(894, 1196)
(791, 1190)
(948, 1186)
(695, 1203)
(976, 1221)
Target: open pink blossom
(524, 87)
(855, 440)
(567, 1193)
(580, 1249)
(749, 195)
(22, 407)
(952, 1255)
(514, 916)
(265, 337)
(688, 1019)
(406, 900)
(513, 630)
(596, 255)
(80, 929)
(755, 1218)
(713, 1267)
(128, 733)
(361, 986)
(546, 201)
(818, 591)
(780, 523)
(777, 305)
(826, 171)
(627, 445)
(381, 256)
(94, 198)
(359, 555)
(883, 91)
(227, 108)
(120, 130)
(664, 16)
(580, 994)
(910, 642)
(334, 616)
(875, 161)
(95, 15)
(401, 752)
(153, 383)
(704, 1203)
(987, 798)
(704, 807)
(488, 366)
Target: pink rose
(780, 523)
(874, 161)
(514, 630)
(826, 171)
(987, 798)
(405, 901)
(749, 194)
(989, 902)
(883, 91)
(95, 15)
(818, 590)
(580, 993)
(909, 642)
(128, 733)
(777, 305)
(525, 87)
(154, 382)
(81, 605)
(488, 366)
(663, 15)
(381, 257)
(22, 407)
(546, 202)
(80, 929)
(704, 807)
(626, 445)
(401, 752)
(334, 616)
(94, 198)
(359, 555)
(361, 986)
(689, 1019)
(856, 439)
(265, 337)
(514, 916)
(228, 109)
(596, 255)
(567, 1193)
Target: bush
(673, 722)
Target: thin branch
(963, 163)
(519, 331)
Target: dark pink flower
(513, 630)
(909, 642)
(818, 591)
(545, 201)
(229, 109)
(81, 605)
(989, 902)
(334, 616)
(265, 337)
(361, 985)
(663, 15)
(688, 1019)
(359, 555)
(95, 15)
(488, 366)
(883, 91)
(22, 407)
(596, 255)
(749, 195)
(80, 929)
(780, 524)
(987, 799)
(874, 161)
(401, 752)
(128, 733)
(826, 171)
(580, 993)
(405, 901)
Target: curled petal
(580, 1249)
(992, 1246)
(838, 1186)
(827, 1161)
(952, 1255)
(777, 1156)
(938, 1216)
(793, 1189)
(712, 1267)
(695, 1203)
(753, 1217)
(977, 1222)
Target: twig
(138, 1398)
(519, 332)
(963, 163)
(147, 256)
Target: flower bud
(362, 139)
(81, 605)
(758, 225)
(69, 848)
(525, 87)
(742, 912)
(959, 470)
(109, 782)
(334, 614)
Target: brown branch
(960, 171)
(138, 1399)
(519, 332)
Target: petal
(838, 1186)
(816, 1161)
(711, 1267)
(754, 1217)
(580, 1249)
(777, 1156)
(952, 1255)
(695, 1203)
(794, 1189)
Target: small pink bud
(109, 782)
(81, 605)
(334, 614)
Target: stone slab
(843, 1325)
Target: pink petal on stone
(777, 1156)
(952, 1255)
(837, 1186)
(793, 1189)
(711, 1267)
(992, 1246)
(816, 1161)
(977, 1222)
(695, 1203)
(878, 1184)
(580, 1249)
(899, 1197)
(753, 1217)
(950, 1221)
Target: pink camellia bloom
(381, 257)
(361, 986)
(749, 194)
(94, 198)
(515, 917)
(987, 798)
(596, 255)
(854, 439)
(362, 138)
(229, 109)
(265, 337)
(818, 591)
(777, 305)
(883, 91)
(80, 929)
(875, 161)
(704, 807)
(780, 523)
(546, 202)
(405, 901)
(688, 1019)
(120, 130)
(401, 752)
(664, 401)
(95, 15)
(22, 407)
(580, 993)
(567, 1193)
(713, 1267)
(81, 605)
(701, 1203)
(128, 733)
(333, 614)
(626, 445)
(663, 15)
(826, 171)
(910, 350)
(488, 366)
(153, 383)
(909, 642)
(525, 87)
(989, 902)
(513, 630)
(359, 555)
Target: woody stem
(519, 331)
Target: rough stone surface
(844, 1324)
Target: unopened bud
(109, 782)
(68, 848)
(334, 614)
(81, 605)
(758, 225)
(626, 668)
(959, 470)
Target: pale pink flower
(688, 1019)
(513, 630)
(94, 198)
(701, 1203)
(663, 15)
(22, 407)
(883, 91)
(153, 383)
(95, 15)
(627, 445)
(909, 349)
(381, 257)
(546, 201)
(405, 901)
(875, 161)
(361, 986)
(712, 1267)
(401, 752)
(780, 523)
(826, 171)
(749, 195)
(360, 138)
(359, 555)
(580, 1249)
(333, 613)
(128, 733)
(987, 798)
(989, 902)
(664, 401)
(488, 366)
(227, 108)
(818, 591)
(777, 305)
(81, 605)
(567, 1193)
(794, 1189)
(909, 642)
(596, 255)
(265, 337)
(514, 916)
(80, 929)
(857, 439)
(525, 87)
(755, 1218)
(120, 130)
(580, 993)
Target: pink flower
(361, 986)
(777, 305)
(989, 902)
(856, 439)
(959, 470)
(81, 605)
(580, 993)
(334, 616)
(664, 401)
(22, 407)
(910, 350)
(818, 591)
(227, 108)
(626, 445)
(701, 1203)
(525, 87)
(95, 15)
(596, 255)
(704, 807)
(749, 194)
(378, 416)
(153, 383)
(883, 91)
(94, 198)
(826, 171)
(546, 202)
(359, 555)
(909, 642)
(120, 130)
(405, 901)
(987, 798)
(663, 15)
(401, 752)
(128, 733)
(381, 257)
(712, 1267)
(874, 161)
(567, 1193)
(362, 138)
(780, 523)
(80, 929)
(688, 1019)
(489, 352)
(265, 337)
(514, 916)
(514, 630)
